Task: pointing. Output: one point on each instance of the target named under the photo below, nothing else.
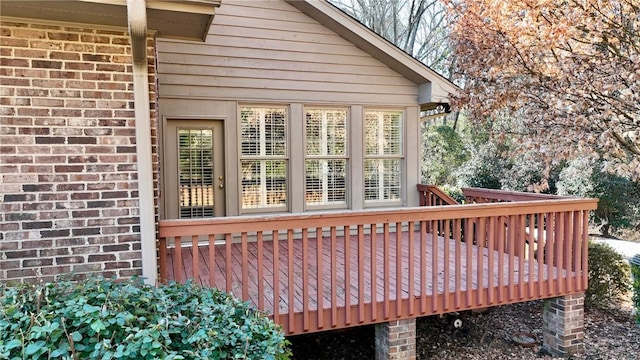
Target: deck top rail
(329, 270)
(431, 195)
(479, 195)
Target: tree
(563, 77)
(443, 153)
(416, 26)
(618, 196)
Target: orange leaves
(567, 71)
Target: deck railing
(329, 270)
(482, 196)
(431, 195)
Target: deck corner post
(563, 325)
(396, 340)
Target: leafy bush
(443, 151)
(608, 275)
(455, 192)
(618, 203)
(107, 319)
(484, 169)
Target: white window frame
(263, 158)
(380, 156)
(326, 204)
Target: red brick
(64, 74)
(80, 104)
(117, 265)
(79, 66)
(97, 95)
(15, 101)
(46, 64)
(95, 39)
(96, 76)
(110, 49)
(37, 262)
(14, 62)
(84, 177)
(56, 270)
(30, 53)
(7, 41)
(115, 68)
(98, 113)
(48, 45)
(29, 34)
(32, 92)
(61, 55)
(5, 81)
(102, 258)
(66, 113)
(30, 73)
(47, 83)
(63, 36)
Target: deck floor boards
(466, 276)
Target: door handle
(221, 186)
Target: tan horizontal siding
(303, 73)
(268, 50)
(194, 63)
(233, 46)
(284, 96)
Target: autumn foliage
(563, 77)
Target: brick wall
(68, 189)
(563, 325)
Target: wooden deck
(336, 289)
(484, 255)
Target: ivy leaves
(105, 319)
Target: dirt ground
(609, 334)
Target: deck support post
(396, 340)
(563, 325)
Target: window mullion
(324, 144)
(381, 141)
(263, 162)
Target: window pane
(326, 182)
(383, 133)
(263, 131)
(382, 179)
(326, 132)
(264, 183)
(326, 137)
(195, 172)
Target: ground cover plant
(106, 319)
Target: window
(383, 156)
(195, 172)
(326, 157)
(263, 157)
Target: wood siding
(270, 51)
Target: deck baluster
(432, 259)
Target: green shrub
(619, 201)
(443, 152)
(635, 271)
(608, 275)
(454, 192)
(107, 319)
(484, 169)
